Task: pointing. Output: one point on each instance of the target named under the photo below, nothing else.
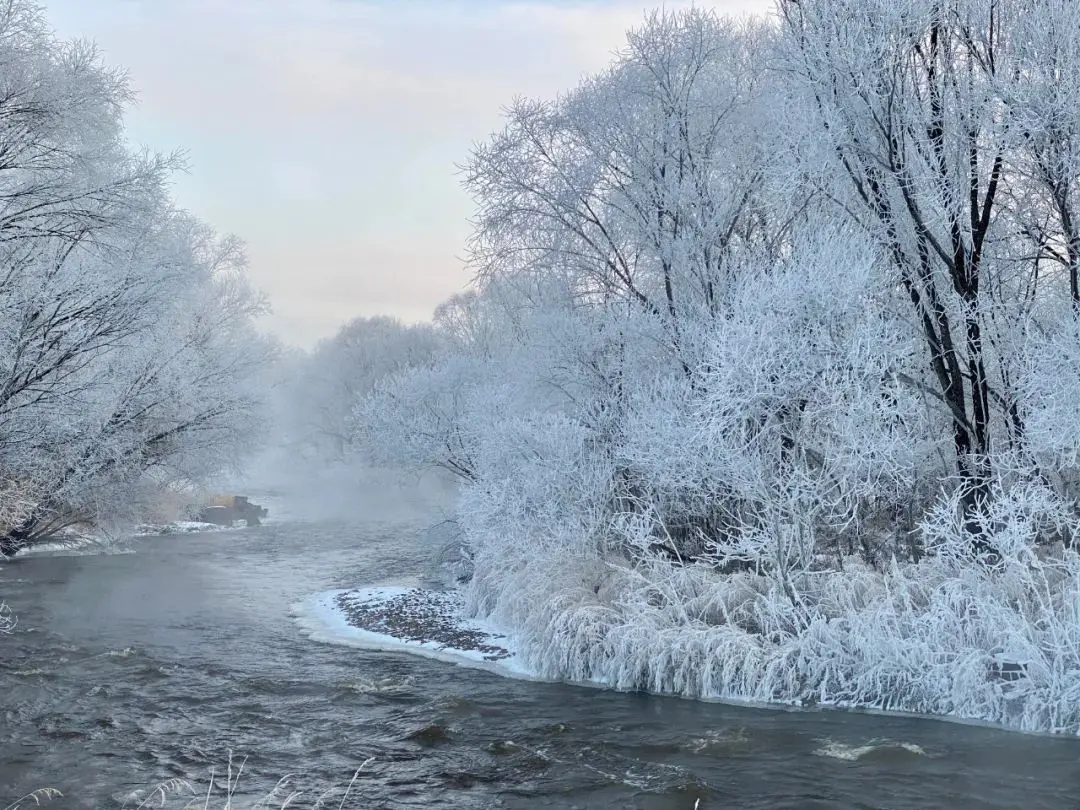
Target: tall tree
(642, 185)
(960, 157)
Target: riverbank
(75, 541)
(89, 540)
(422, 622)
(901, 648)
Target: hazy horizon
(326, 134)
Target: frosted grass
(999, 645)
(222, 791)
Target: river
(128, 669)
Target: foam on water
(853, 753)
(126, 652)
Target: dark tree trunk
(13, 542)
(20, 537)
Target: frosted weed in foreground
(7, 619)
(37, 797)
(223, 794)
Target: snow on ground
(74, 543)
(86, 548)
(412, 620)
(78, 543)
(177, 527)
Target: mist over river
(127, 669)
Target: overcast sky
(325, 133)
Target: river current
(128, 669)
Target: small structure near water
(227, 509)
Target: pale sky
(326, 133)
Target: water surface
(129, 669)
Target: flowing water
(129, 669)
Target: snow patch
(177, 527)
(422, 622)
(82, 546)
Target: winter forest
(767, 386)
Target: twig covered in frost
(8, 620)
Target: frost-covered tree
(639, 199)
(953, 123)
(644, 184)
(318, 400)
(428, 413)
(126, 338)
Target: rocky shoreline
(421, 617)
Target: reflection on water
(129, 669)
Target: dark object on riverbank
(226, 511)
(1007, 671)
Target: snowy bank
(998, 646)
(876, 659)
(177, 527)
(74, 542)
(428, 623)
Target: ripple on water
(881, 750)
(29, 672)
(385, 687)
(127, 652)
(720, 742)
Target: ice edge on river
(411, 620)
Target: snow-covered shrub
(942, 636)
